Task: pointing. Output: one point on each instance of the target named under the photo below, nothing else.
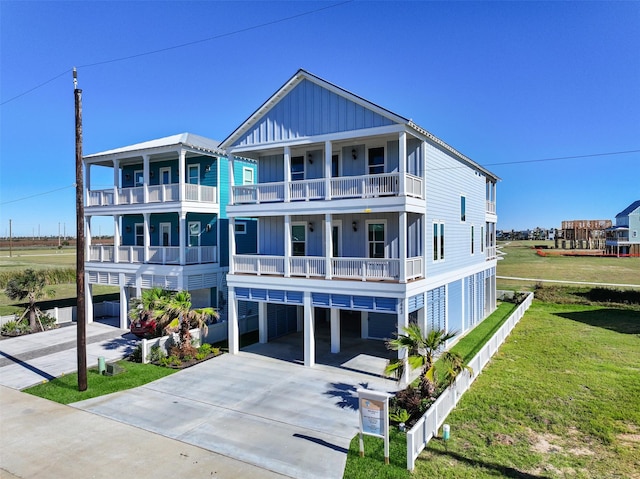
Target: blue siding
(436, 308)
(309, 110)
(382, 326)
(455, 319)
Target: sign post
(374, 418)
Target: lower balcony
(361, 269)
(156, 254)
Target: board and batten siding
(447, 179)
(309, 110)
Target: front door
(165, 234)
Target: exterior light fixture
(354, 225)
(310, 159)
(311, 226)
(354, 154)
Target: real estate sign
(374, 418)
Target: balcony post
(309, 329)
(287, 244)
(181, 236)
(182, 157)
(147, 238)
(402, 242)
(287, 174)
(232, 182)
(335, 330)
(232, 320)
(232, 244)
(402, 163)
(87, 183)
(87, 236)
(116, 238)
(403, 322)
(116, 180)
(328, 155)
(262, 323)
(328, 241)
(145, 179)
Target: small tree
(420, 349)
(31, 285)
(179, 314)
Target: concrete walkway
(35, 358)
(274, 414)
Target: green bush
(136, 354)
(156, 354)
(205, 349)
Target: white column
(402, 162)
(232, 319)
(402, 241)
(263, 327)
(147, 237)
(403, 322)
(87, 236)
(145, 177)
(116, 180)
(88, 299)
(422, 319)
(328, 241)
(287, 173)
(87, 182)
(116, 237)
(182, 227)
(232, 243)
(124, 303)
(364, 325)
(231, 178)
(309, 332)
(287, 245)
(335, 330)
(328, 154)
(182, 158)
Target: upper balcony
(165, 255)
(348, 187)
(154, 194)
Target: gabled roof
(629, 209)
(302, 75)
(189, 140)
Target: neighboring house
(366, 221)
(623, 239)
(168, 204)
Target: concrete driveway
(274, 414)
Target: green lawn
(521, 260)
(64, 389)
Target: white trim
(367, 159)
(339, 155)
(384, 240)
(440, 257)
(160, 173)
(337, 224)
(244, 227)
(160, 226)
(246, 169)
(135, 177)
(463, 213)
(304, 167)
(188, 175)
(304, 226)
(189, 235)
(135, 234)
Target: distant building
(623, 239)
(583, 234)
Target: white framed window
(193, 174)
(336, 166)
(165, 234)
(247, 176)
(472, 242)
(376, 160)
(299, 239)
(482, 240)
(463, 208)
(194, 233)
(241, 228)
(165, 176)
(438, 241)
(336, 239)
(376, 232)
(297, 168)
(138, 178)
(139, 231)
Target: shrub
(155, 354)
(205, 349)
(136, 354)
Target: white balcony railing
(361, 269)
(157, 194)
(491, 252)
(157, 254)
(491, 207)
(365, 186)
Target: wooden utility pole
(10, 240)
(81, 313)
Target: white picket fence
(62, 315)
(428, 425)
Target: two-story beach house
(168, 204)
(623, 239)
(366, 221)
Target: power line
(181, 45)
(38, 194)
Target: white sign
(374, 418)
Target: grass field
(521, 260)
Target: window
(139, 234)
(138, 178)
(165, 176)
(335, 165)
(471, 239)
(194, 233)
(247, 176)
(336, 239)
(241, 228)
(193, 174)
(298, 239)
(376, 160)
(297, 168)
(463, 208)
(438, 241)
(165, 234)
(482, 239)
(375, 232)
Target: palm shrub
(31, 285)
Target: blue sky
(506, 83)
